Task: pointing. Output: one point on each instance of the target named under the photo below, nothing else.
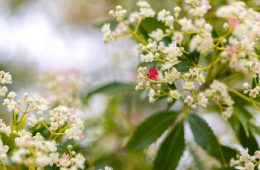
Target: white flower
(149, 57)
(3, 91)
(152, 95)
(145, 9)
(208, 27)
(5, 129)
(74, 133)
(173, 51)
(11, 95)
(194, 71)
(58, 117)
(78, 161)
(18, 155)
(201, 44)
(119, 13)
(50, 146)
(65, 161)
(227, 112)
(200, 79)
(245, 85)
(189, 100)
(42, 160)
(157, 34)
(172, 75)
(143, 4)
(108, 35)
(189, 85)
(178, 37)
(41, 104)
(249, 166)
(202, 100)
(166, 18)
(5, 78)
(174, 94)
(257, 154)
(120, 29)
(10, 104)
(253, 93)
(167, 66)
(3, 151)
(32, 121)
(54, 158)
(134, 17)
(186, 24)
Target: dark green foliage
(205, 137)
(151, 129)
(171, 150)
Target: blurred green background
(46, 35)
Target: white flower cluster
(200, 7)
(36, 151)
(4, 129)
(218, 93)
(37, 135)
(5, 79)
(63, 87)
(246, 161)
(239, 47)
(253, 92)
(38, 105)
(145, 9)
(3, 151)
(165, 53)
(123, 28)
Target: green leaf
(183, 66)
(240, 122)
(151, 129)
(255, 128)
(54, 167)
(170, 104)
(63, 147)
(111, 88)
(205, 137)
(150, 24)
(228, 153)
(243, 117)
(249, 142)
(171, 150)
(257, 50)
(215, 34)
(255, 81)
(194, 57)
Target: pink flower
(206, 3)
(64, 160)
(233, 21)
(231, 49)
(120, 28)
(153, 73)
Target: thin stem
(4, 166)
(43, 124)
(250, 100)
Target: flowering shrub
(35, 141)
(186, 57)
(245, 161)
(64, 87)
(39, 137)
